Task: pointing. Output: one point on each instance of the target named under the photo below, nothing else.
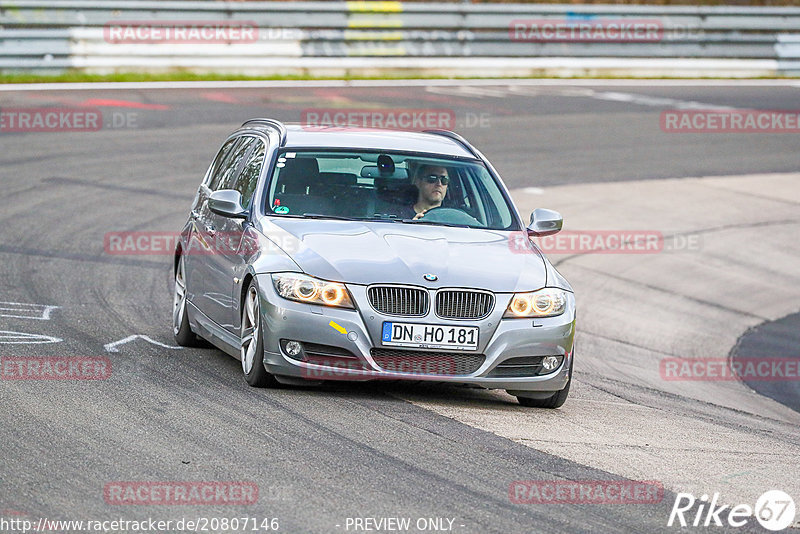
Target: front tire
(251, 350)
(180, 319)
(556, 400)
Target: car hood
(383, 252)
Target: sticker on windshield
(283, 210)
(291, 154)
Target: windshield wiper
(421, 221)
(382, 218)
(342, 218)
(323, 216)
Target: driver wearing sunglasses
(431, 182)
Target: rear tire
(556, 400)
(251, 350)
(180, 319)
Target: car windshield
(387, 186)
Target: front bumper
(359, 332)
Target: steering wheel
(442, 214)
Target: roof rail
(274, 123)
(455, 137)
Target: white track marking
(470, 91)
(112, 347)
(655, 101)
(641, 100)
(19, 310)
(8, 337)
(579, 92)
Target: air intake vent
(518, 367)
(427, 363)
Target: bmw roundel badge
(430, 277)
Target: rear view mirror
(545, 222)
(373, 171)
(228, 203)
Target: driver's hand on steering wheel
(419, 215)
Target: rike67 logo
(774, 510)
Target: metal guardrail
(42, 35)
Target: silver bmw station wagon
(330, 253)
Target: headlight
(547, 302)
(303, 288)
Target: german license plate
(430, 336)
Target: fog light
(549, 363)
(293, 348)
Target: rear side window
(248, 179)
(232, 165)
(213, 173)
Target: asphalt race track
(778, 339)
(726, 205)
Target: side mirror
(228, 203)
(545, 222)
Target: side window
(213, 173)
(233, 164)
(248, 179)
